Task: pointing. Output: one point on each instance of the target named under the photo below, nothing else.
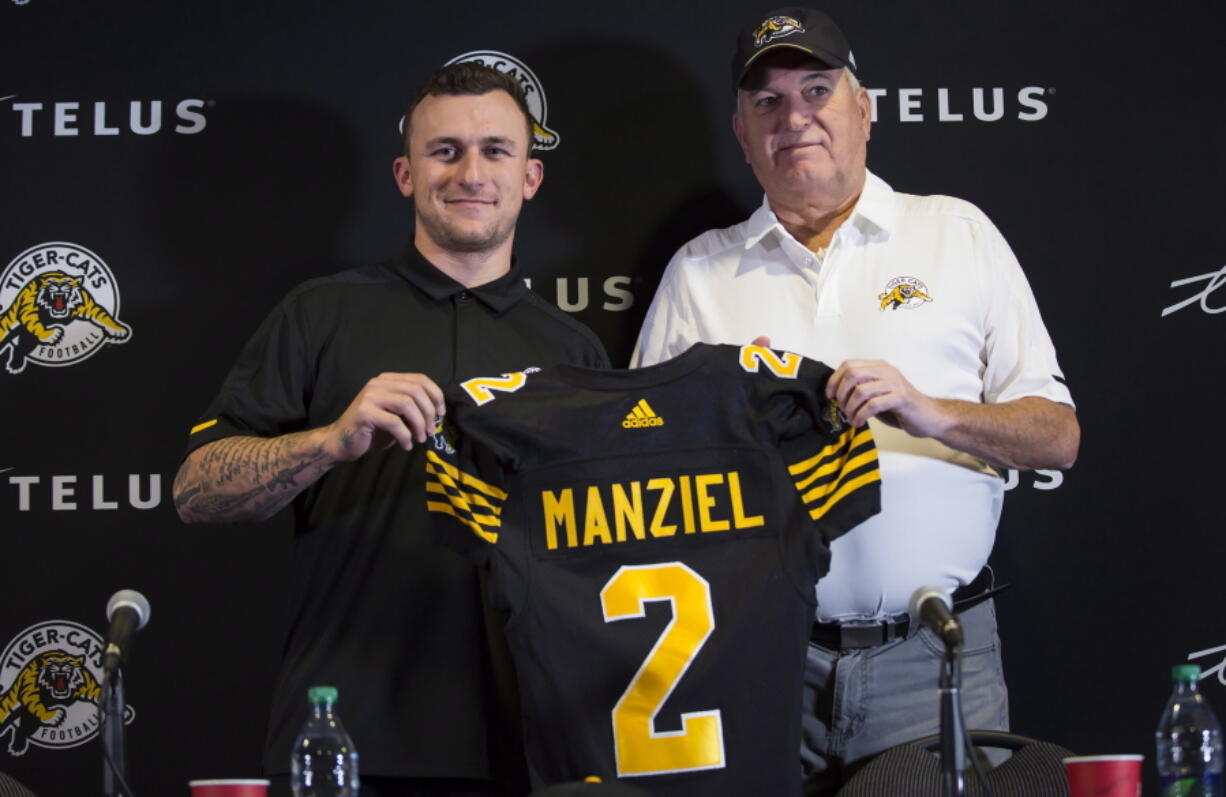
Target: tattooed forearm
(239, 479)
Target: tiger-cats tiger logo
(906, 293)
(542, 137)
(59, 304)
(776, 28)
(50, 685)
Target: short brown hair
(469, 78)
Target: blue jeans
(858, 703)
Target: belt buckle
(853, 636)
(870, 635)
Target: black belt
(852, 636)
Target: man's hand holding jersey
(1025, 433)
(245, 478)
(391, 409)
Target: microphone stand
(114, 760)
(953, 728)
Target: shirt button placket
(828, 300)
(459, 302)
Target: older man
(941, 348)
(329, 407)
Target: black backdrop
(270, 163)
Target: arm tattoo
(239, 479)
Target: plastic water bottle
(324, 762)
(1189, 740)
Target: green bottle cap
(327, 694)
(1185, 672)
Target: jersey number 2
(786, 366)
(640, 748)
(481, 388)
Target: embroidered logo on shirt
(776, 28)
(642, 415)
(905, 293)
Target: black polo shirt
(377, 608)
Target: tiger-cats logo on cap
(59, 304)
(906, 293)
(776, 28)
(50, 686)
(542, 137)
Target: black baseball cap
(804, 29)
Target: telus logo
(1029, 104)
(102, 118)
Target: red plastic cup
(1104, 775)
(229, 787)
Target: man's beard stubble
(447, 237)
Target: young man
(329, 407)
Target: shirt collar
(500, 294)
(876, 205)
(873, 211)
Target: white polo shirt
(926, 283)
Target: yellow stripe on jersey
(833, 448)
(856, 462)
(475, 526)
(838, 470)
(826, 462)
(200, 427)
(848, 488)
(468, 480)
(445, 485)
(473, 502)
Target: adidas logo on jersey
(642, 415)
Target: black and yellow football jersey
(656, 535)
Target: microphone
(931, 606)
(128, 612)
